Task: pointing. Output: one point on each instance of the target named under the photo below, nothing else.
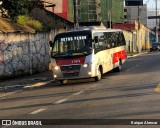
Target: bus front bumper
(81, 73)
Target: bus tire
(98, 78)
(61, 81)
(119, 68)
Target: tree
(15, 7)
(19, 7)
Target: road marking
(60, 101)
(5, 126)
(14, 86)
(38, 84)
(37, 111)
(137, 65)
(40, 78)
(78, 93)
(10, 93)
(128, 69)
(157, 89)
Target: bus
(87, 53)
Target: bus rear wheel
(119, 68)
(99, 76)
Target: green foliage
(19, 7)
(27, 21)
(35, 25)
(23, 19)
(16, 7)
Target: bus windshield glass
(72, 45)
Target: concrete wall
(130, 41)
(144, 36)
(22, 54)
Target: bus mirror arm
(96, 39)
(50, 43)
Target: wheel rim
(120, 67)
(99, 74)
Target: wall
(130, 41)
(22, 54)
(144, 36)
(61, 8)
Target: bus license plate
(69, 71)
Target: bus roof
(93, 29)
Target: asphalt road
(129, 94)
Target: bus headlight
(56, 67)
(85, 65)
(55, 76)
(89, 73)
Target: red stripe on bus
(60, 62)
(119, 55)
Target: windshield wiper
(79, 53)
(57, 54)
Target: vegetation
(28, 21)
(19, 7)
(19, 10)
(16, 7)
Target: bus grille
(71, 70)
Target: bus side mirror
(50, 43)
(96, 39)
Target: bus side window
(114, 39)
(96, 39)
(121, 39)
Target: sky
(151, 4)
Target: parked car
(155, 46)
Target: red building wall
(62, 7)
(124, 26)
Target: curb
(128, 57)
(25, 86)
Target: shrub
(28, 21)
(35, 25)
(22, 20)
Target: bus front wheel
(61, 81)
(99, 76)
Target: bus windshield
(74, 45)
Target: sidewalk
(25, 80)
(130, 55)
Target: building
(101, 10)
(131, 14)
(151, 23)
(146, 36)
(60, 8)
(89, 10)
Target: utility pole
(109, 13)
(76, 24)
(110, 18)
(139, 25)
(156, 22)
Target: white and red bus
(87, 53)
